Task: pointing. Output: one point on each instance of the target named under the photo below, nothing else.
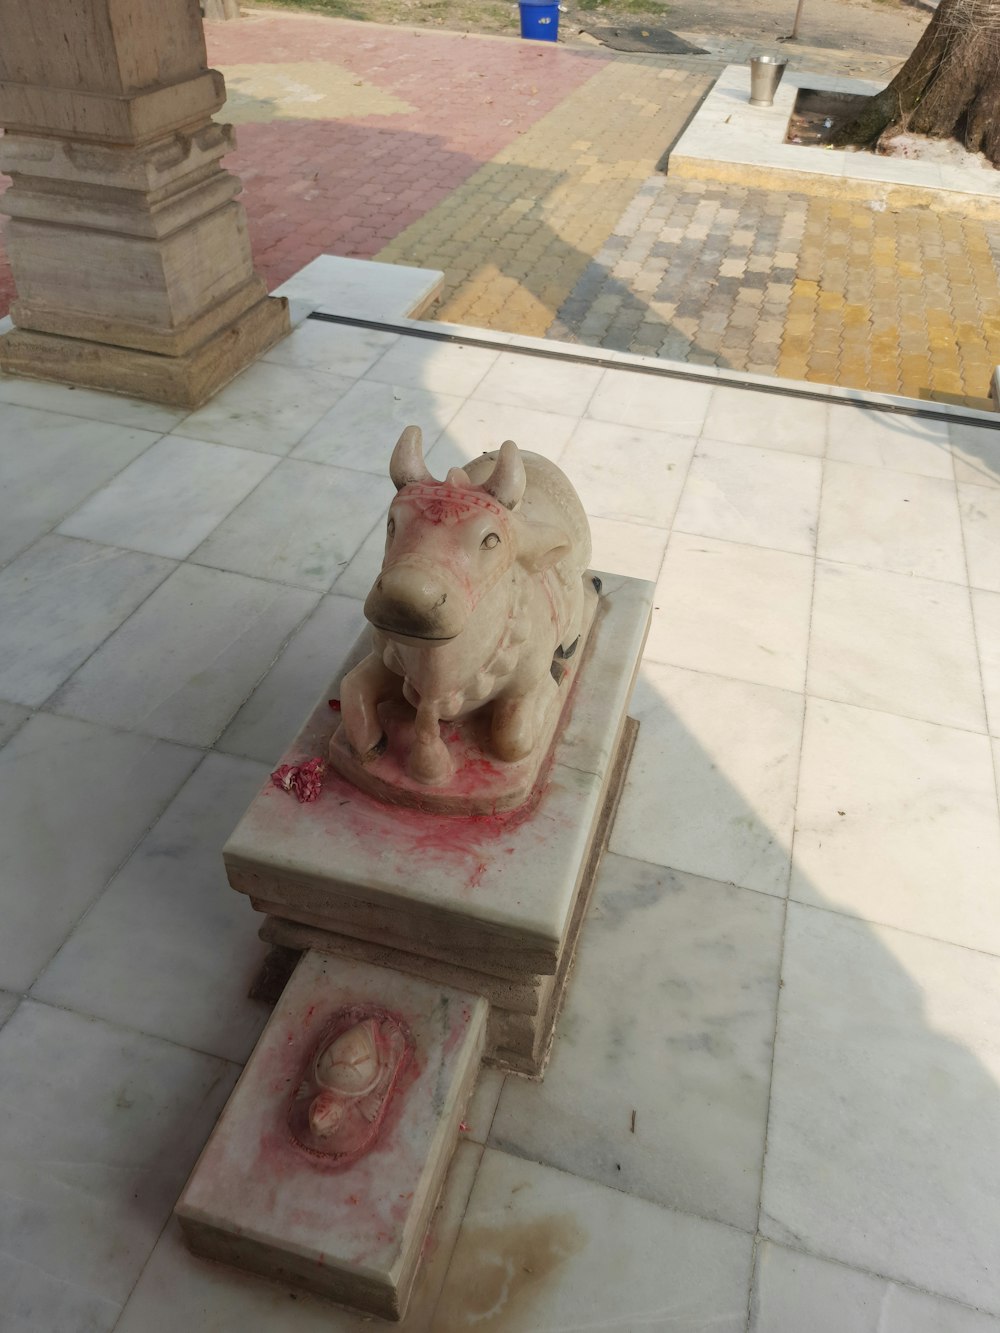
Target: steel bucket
(765, 75)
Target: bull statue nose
(413, 602)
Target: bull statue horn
(407, 462)
(507, 481)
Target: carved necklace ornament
(352, 1074)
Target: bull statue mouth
(409, 635)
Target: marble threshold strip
(561, 352)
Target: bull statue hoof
(483, 584)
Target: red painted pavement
(347, 186)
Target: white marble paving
(981, 524)
(976, 453)
(743, 494)
(93, 1149)
(269, 407)
(11, 717)
(301, 525)
(889, 811)
(889, 439)
(651, 402)
(541, 383)
(882, 1119)
(50, 463)
(796, 425)
(58, 601)
(74, 799)
(543, 1250)
(686, 1046)
(734, 610)
(147, 955)
(986, 608)
(896, 643)
(883, 519)
(711, 787)
(360, 430)
(885, 1106)
(794, 1292)
(170, 499)
(270, 719)
(185, 662)
(624, 473)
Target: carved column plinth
(129, 251)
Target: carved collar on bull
(478, 619)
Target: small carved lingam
(481, 601)
(341, 1102)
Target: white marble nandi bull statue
(482, 588)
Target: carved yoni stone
(481, 602)
(341, 1102)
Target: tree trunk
(949, 87)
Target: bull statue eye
(390, 527)
(489, 541)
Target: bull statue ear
(407, 462)
(507, 481)
(541, 545)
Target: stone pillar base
(186, 381)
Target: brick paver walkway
(528, 173)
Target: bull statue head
(449, 543)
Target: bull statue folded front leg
(482, 587)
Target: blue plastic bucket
(539, 20)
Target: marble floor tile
(541, 382)
(888, 439)
(795, 1292)
(482, 1108)
(74, 800)
(981, 524)
(356, 578)
(735, 610)
(883, 519)
(976, 451)
(439, 367)
(480, 427)
(94, 1146)
(711, 787)
(51, 463)
(986, 609)
(686, 1046)
(740, 416)
(109, 408)
(149, 952)
(896, 643)
(185, 662)
(361, 430)
(270, 719)
(621, 472)
(170, 499)
(8, 1003)
(301, 525)
(889, 812)
(338, 349)
(651, 402)
(546, 1251)
(58, 601)
(883, 1142)
(177, 1290)
(759, 496)
(268, 408)
(11, 717)
(631, 549)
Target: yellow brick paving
(572, 232)
(514, 239)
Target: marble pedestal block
(491, 903)
(260, 1200)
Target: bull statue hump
(478, 618)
